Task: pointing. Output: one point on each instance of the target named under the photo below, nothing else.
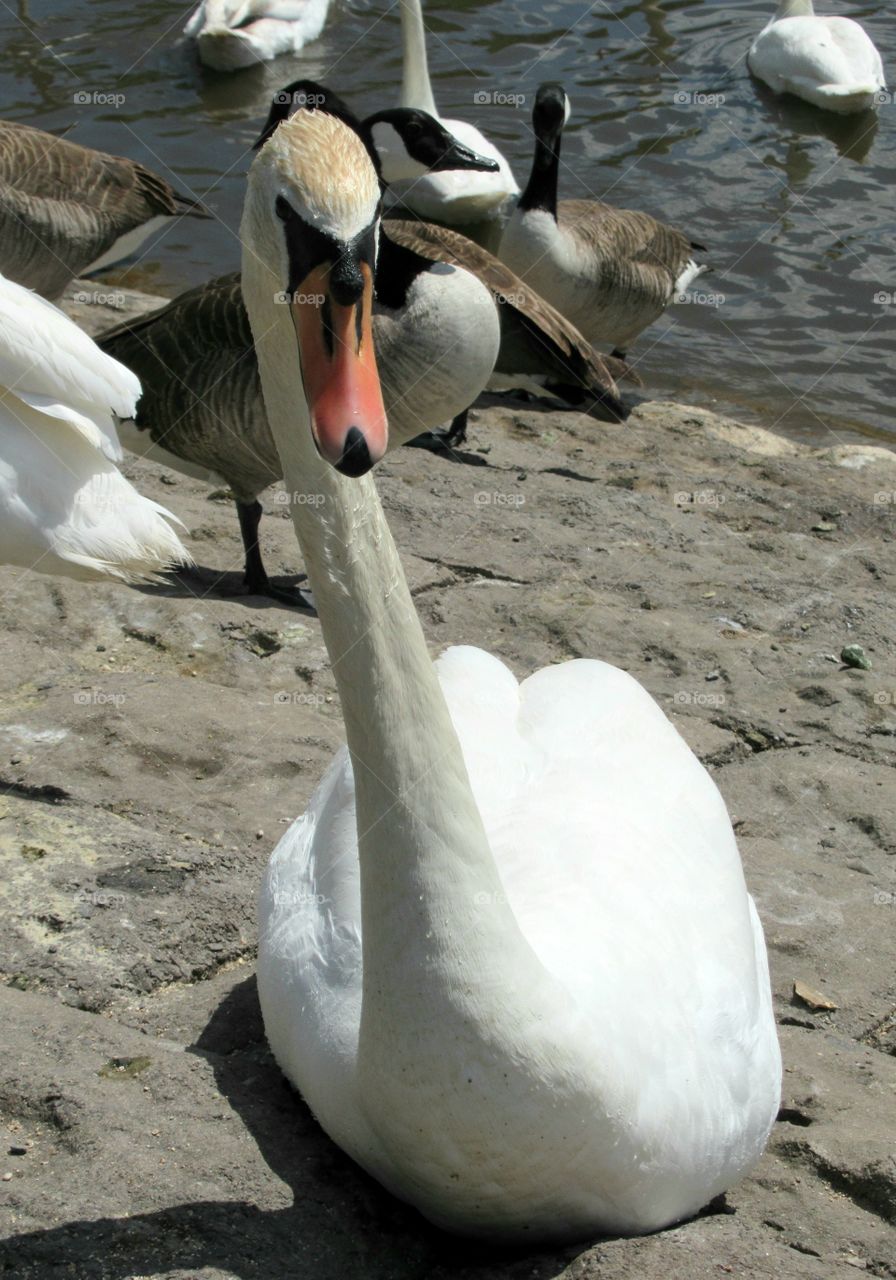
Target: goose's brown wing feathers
(554, 347)
(627, 245)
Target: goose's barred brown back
(63, 206)
(535, 338)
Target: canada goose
(437, 336)
(232, 34)
(65, 508)
(67, 209)
(830, 62)
(612, 272)
(540, 350)
(507, 955)
(454, 198)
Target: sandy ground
(155, 741)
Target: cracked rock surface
(155, 741)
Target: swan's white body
(507, 955)
(64, 506)
(453, 197)
(232, 34)
(829, 61)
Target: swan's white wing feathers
(65, 508)
(51, 364)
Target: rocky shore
(155, 741)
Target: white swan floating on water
(233, 34)
(508, 954)
(65, 508)
(829, 61)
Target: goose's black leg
(255, 578)
(457, 432)
(443, 441)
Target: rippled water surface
(795, 328)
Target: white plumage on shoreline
(65, 508)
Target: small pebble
(18, 1151)
(7, 1177)
(259, 835)
(853, 655)
(713, 675)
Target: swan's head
(411, 143)
(550, 113)
(310, 227)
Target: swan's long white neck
(416, 90)
(794, 9)
(435, 920)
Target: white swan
(64, 506)
(831, 62)
(232, 34)
(455, 198)
(507, 955)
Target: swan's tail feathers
(115, 532)
(846, 99)
(860, 90)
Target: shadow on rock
(340, 1225)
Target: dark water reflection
(796, 206)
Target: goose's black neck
(541, 189)
(397, 268)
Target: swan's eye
(283, 209)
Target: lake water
(796, 328)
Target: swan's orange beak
(342, 386)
